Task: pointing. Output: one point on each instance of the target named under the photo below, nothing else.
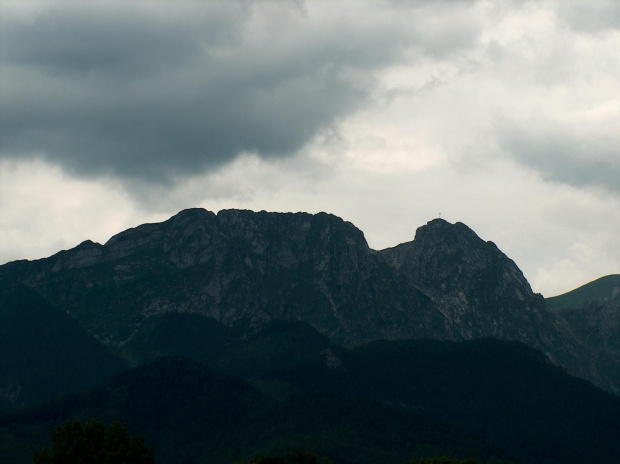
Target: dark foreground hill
(190, 413)
(44, 353)
(386, 402)
(503, 392)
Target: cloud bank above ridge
(150, 91)
(497, 114)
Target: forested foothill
(498, 402)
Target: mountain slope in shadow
(44, 353)
(504, 392)
(191, 413)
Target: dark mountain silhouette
(294, 334)
(240, 350)
(504, 392)
(387, 401)
(242, 266)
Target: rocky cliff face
(236, 265)
(257, 267)
(482, 293)
(479, 290)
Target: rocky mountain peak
(442, 230)
(480, 290)
(445, 251)
(455, 244)
(240, 265)
(198, 231)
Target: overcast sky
(502, 115)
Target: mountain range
(290, 303)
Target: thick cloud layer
(578, 156)
(503, 115)
(152, 91)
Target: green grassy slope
(603, 289)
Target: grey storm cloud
(591, 17)
(564, 154)
(156, 90)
